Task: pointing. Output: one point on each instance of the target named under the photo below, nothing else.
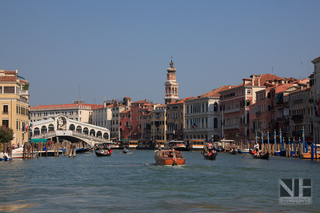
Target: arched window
(215, 123)
(85, 130)
(36, 131)
(99, 134)
(51, 127)
(92, 132)
(72, 127)
(106, 135)
(43, 129)
(215, 106)
(79, 129)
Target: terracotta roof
(216, 92)
(65, 106)
(127, 111)
(141, 101)
(160, 106)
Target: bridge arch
(86, 130)
(99, 134)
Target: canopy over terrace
(38, 140)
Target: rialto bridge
(59, 127)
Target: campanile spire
(171, 85)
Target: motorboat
(169, 158)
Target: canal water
(133, 183)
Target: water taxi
(129, 144)
(169, 158)
(176, 145)
(196, 144)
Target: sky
(109, 49)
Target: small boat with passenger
(103, 153)
(260, 155)
(169, 158)
(126, 151)
(210, 155)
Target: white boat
(176, 145)
(4, 157)
(18, 153)
(243, 150)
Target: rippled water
(133, 183)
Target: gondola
(233, 152)
(265, 156)
(210, 156)
(101, 153)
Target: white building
(203, 117)
(103, 116)
(77, 111)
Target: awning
(39, 140)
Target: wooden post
(47, 147)
(74, 151)
(70, 153)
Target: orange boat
(308, 155)
(169, 158)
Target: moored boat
(169, 158)
(103, 153)
(242, 151)
(4, 157)
(18, 153)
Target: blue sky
(99, 50)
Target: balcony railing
(297, 117)
(232, 110)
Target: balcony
(298, 101)
(231, 127)
(231, 110)
(297, 118)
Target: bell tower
(171, 85)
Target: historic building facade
(14, 100)
(78, 111)
(159, 123)
(117, 108)
(103, 116)
(203, 116)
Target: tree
(6, 135)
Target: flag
(194, 124)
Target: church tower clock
(171, 85)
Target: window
(5, 109)
(248, 91)
(8, 90)
(5, 123)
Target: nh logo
(295, 191)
